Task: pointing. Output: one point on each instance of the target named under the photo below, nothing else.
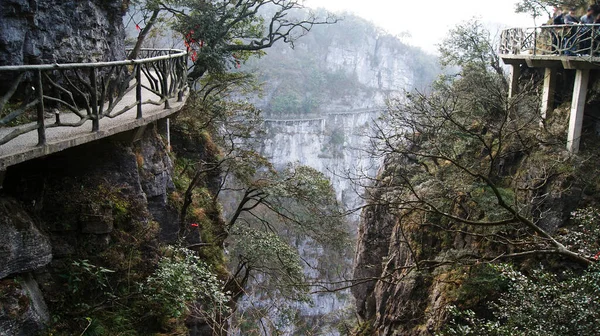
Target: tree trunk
(140, 40)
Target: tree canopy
(222, 34)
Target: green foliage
(100, 291)
(221, 35)
(540, 8)
(268, 206)
(484, 198)
(304, 199)
(469, 44)
(483, 284)
(215, 113)
(267, 253)
(83, 276)
(364, 329)
(584, 236)
(470, 177)
(180, 279)
(538, 304)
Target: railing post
(138, 90)
(180, 78)
(184, 68)
(168, 135)
(535, 38)
(165, 83)
(94, 101)
(592, 41)
(40, 110)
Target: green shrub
(181, 278)
(540, 304)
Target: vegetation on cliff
(475, 178)
(267, 207)
(221, 34)
(139, 240)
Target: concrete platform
(24, 147)
(552, 61)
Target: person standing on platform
(557, 20)
(585, 39)
(572, 33)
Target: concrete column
(168, 135)
(548, 92)
(577, 107)
(513, 80)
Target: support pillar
(513, 84)
(164, 128)
(577, 108)
(168, 135)
(548, 92)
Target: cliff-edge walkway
(73, 104)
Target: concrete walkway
(24, 147)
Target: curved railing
(39, 97)
(552, 40)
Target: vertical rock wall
(76, 205)
(61, 31)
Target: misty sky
(427, 21)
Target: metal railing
(552, 40)
(39, 97)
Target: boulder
(23, 247)
(22, 307)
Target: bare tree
(466, 161)
(265, 205)
(221, 33)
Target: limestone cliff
(319, 101)
(350, 65)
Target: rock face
(66, 190)
(86, 199)
(405, 301)
(56, 31)
(22, 246)
(374, 234)
(338, 68)
(333, 144)
(156, 170)
(415, 282)
(22, 308)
